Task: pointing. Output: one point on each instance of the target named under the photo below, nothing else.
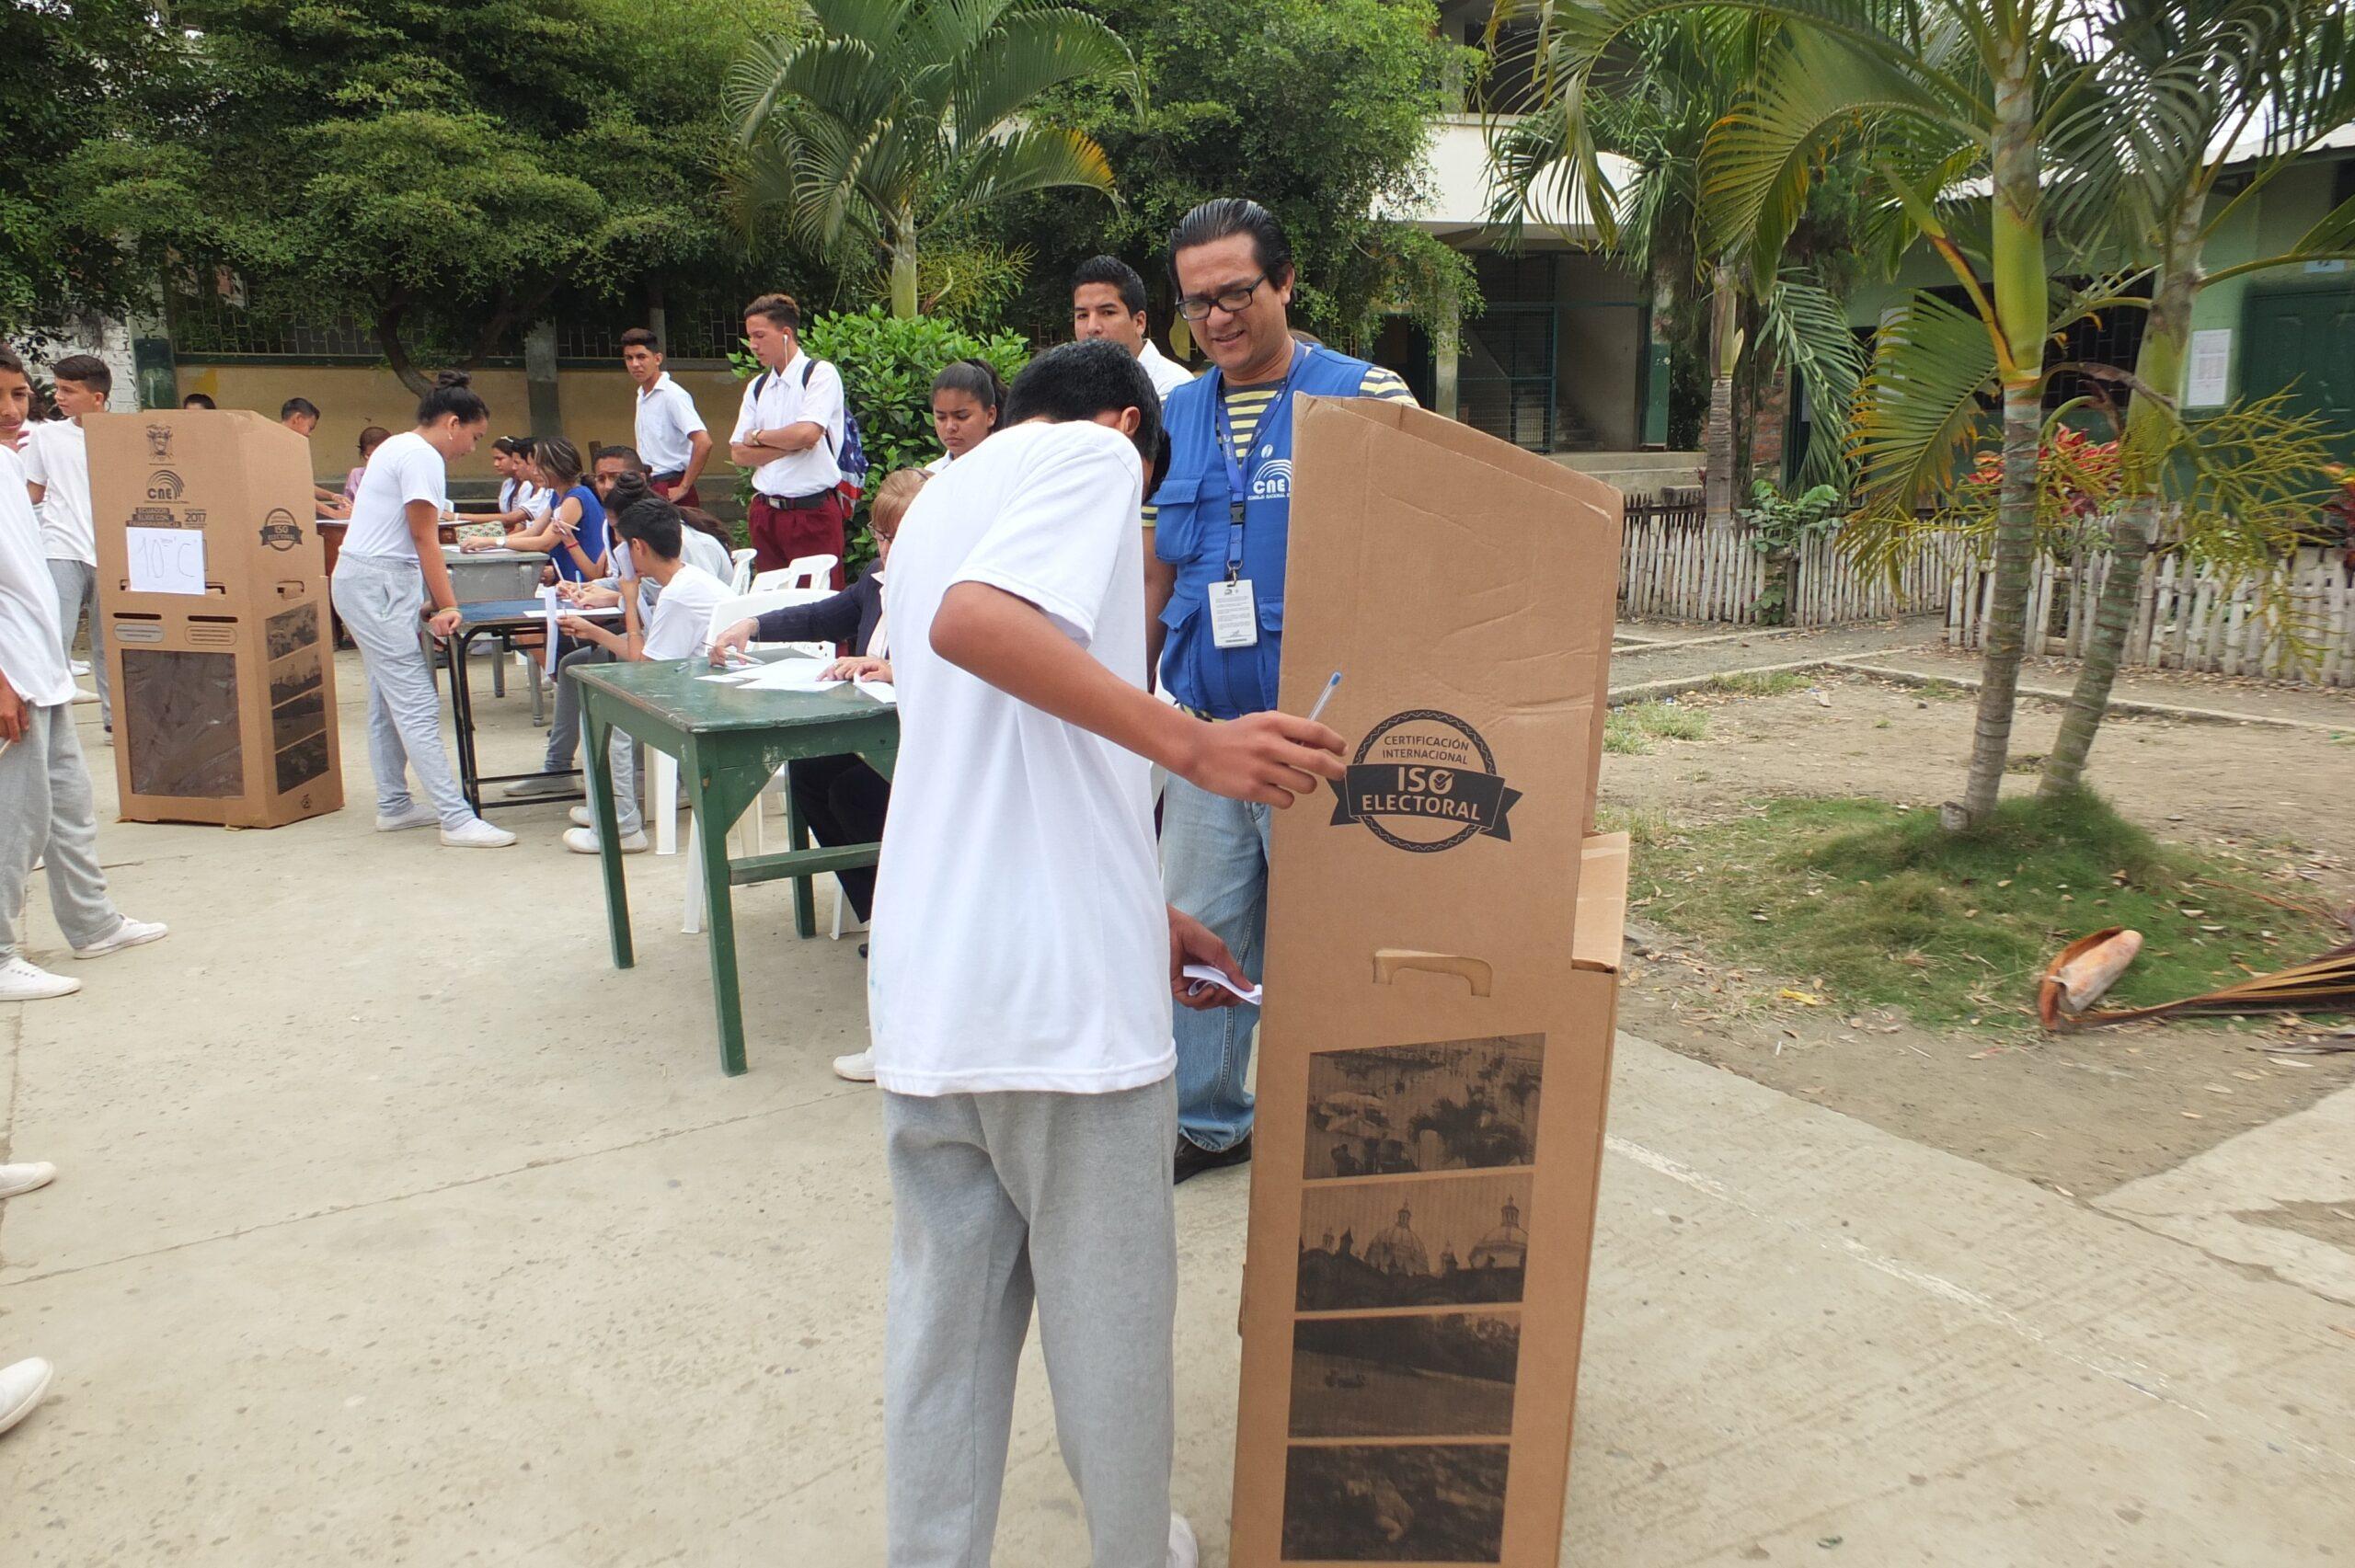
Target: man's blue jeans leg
(1214, 867)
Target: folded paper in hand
(1202, 975)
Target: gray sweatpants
(379, 599)
(78, 589)
(564, 730)
(46, 811)
(998, 1199)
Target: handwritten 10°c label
(1424, 781)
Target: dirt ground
(2081, 1113)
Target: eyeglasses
(1197, 307)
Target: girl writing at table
(573, 529)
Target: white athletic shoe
(21, 1387)
(418, 815)
(475, 834)
(80, 667)
(1184, 1550)
(24, 981)
(542, 786)
(856, 1067)
(130, 934)
(82, 696)
(583, 816)
(17, 1180)
(583, 841)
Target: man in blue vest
(1223, 518)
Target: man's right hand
(14, 712)
(735, 639)
(1268, 758)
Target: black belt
(671, 479)
(799, 503)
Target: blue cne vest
(1190, 532)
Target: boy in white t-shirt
(57, 465)
(1024, 967)
(650, 534)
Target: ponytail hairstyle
(453, 393)
(629, 488)
(977, 379)
(558, 460)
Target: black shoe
(1193, 1159)
(862, 949)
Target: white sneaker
(583, 816)
(80, 667)
(541, 785)
(475, 834)
(856, 1067)
(1184, 1550)
(21, 1387)
(418, 815)
(130, 934)
(24, 981)
(583, 841)
(17, 1180)
(82, 696)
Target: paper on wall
(2212, 362)
(165, 560)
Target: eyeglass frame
(1218, 301)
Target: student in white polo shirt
(670, 435)
(57, 467)
(787, 434)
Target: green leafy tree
(885, 120)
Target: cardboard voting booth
(215, 593)
(1441, 965)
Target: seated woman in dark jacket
(841, 798)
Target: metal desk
(490, 618)
(730, 743)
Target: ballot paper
(783, 675)
(551, 607)
(1202, 975)
(881, 691)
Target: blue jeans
(1214, 867)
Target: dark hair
(651, 521)
(1216, 220)
(10, 362)
(1158, 469)
(703, 521)
(197, 400)
(641, 337)
(374, 436)
(779, 308)
(514, 446)
(83, 370)
(1113, 270)
(293, 405)
(976, 378)
(627, 453)
(453, 393)
(1079, 381)
(628, 489)
(558, 459)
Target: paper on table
(881, 691)
(1202, 974)
(790, 675)
(165, 560)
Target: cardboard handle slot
(1474, 972)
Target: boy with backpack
(793, 432)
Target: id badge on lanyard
(1235, 612)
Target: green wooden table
(728, 743)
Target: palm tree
(1653, 102)
(2184, 95)
(882, 120)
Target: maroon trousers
(782, 535)
(686, 497)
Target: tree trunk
(388, 337)
(2158, 373)
(2023, 313)
(903, 267)
(1718, 439)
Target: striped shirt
(1246, 406)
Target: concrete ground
(396, 1227)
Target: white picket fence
(2297, 623)
(1673, 567)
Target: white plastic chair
(803, 571)
(739, 577)
(663, 773)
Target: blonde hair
(892, 499)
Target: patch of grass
(1762, 682)
(1643, 827)
(1886, 909)
(1630, 730)
(1943, 690)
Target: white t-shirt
(57, 457)
(700, 549)
(521, 495)
(32, 655)
(774, 399)
(403, 468)
(666, 418)
(680, 624)
(1020, 936)
(1166, 373)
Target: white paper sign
(165, 560)
(2211, 366)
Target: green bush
(887, 365)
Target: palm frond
(1029, 53)
(1036, 157)
(1920, 405)
(1805, 327)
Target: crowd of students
(1053, 640)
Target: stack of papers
(785, 675)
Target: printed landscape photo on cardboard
(1412, 1503)
(1422, 1242)
(1404, 1375)
(1443, 1105)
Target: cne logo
(164, 486)
(1273, 481)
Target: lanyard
(1238, 492)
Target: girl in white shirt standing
(390, 564)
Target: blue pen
(1325, 696)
